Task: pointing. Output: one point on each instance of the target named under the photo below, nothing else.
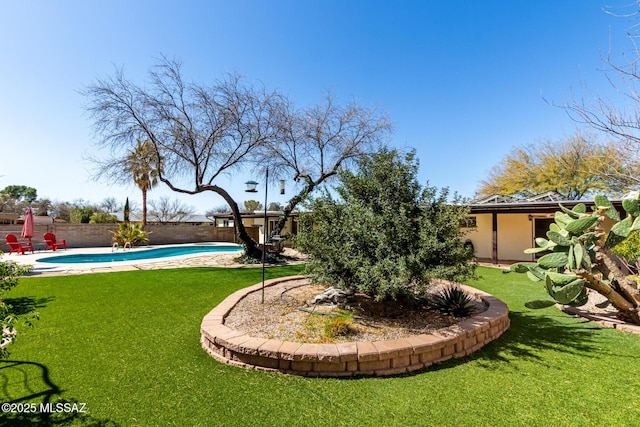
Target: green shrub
(80, 215)
(129, 232)
(629, 251)
(103, 218)
(385, 235)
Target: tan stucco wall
(515, 234)
(480, 236)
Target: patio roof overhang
(533, 207)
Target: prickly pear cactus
(578, 256)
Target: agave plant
(579, 256)
(453, 301)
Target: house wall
(480, 236)
(515, 234)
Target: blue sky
(463, 82)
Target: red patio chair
(16, 246)
(50, 240)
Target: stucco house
(502, 227)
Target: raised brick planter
(377, 358)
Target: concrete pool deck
(211, 259)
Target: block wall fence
(97, 235)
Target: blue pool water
(138, 254)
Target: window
(469, 222)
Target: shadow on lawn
(25, 305)
(531, 335)
(38, 403)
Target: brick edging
(362, 358)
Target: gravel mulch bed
(280, 317)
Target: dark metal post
(494, 238)
(264, 230)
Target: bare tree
(167, 210)
(109, 205)
(200, 132)
(619, 118)
(218, 210)
(316, 142)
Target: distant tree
(316, 142)
(61, 210)
(102, 218)
(42, 206)
(127, 210)
(274, 206)
(21, 192)
(386, 235)
(572, 167)
(166, 210)
(109, 205)
(218, 209)
(143, 164)
(252, 206)
(139, 163)
(200, 132)
(15, 198)
(80, 215)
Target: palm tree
(143, 163)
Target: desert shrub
(385, 235)
(130, 232)
(322, 328)
(336, 326)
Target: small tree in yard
(581, 255)
(385, 235)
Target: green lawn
(127, 345)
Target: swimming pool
(142, 254)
